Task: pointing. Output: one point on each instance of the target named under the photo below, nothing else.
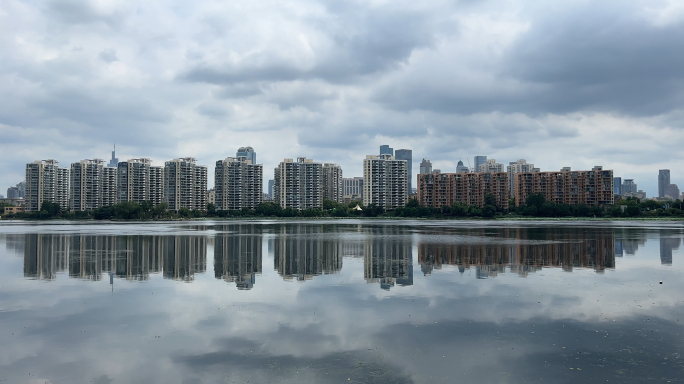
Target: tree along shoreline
(535, 208)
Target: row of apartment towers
(181, 183)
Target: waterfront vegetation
(535, 206)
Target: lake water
(342, 302)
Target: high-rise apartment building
(332, 182)
(138, 180)
(663, 181)
(406, 154)
(238, 184)
(353, 186)
(617, 185)
(247, 152)
(270, 188)
(46, 181)
(88, 185)
(490, 166)
(593, 187)
(438, 190)
(385, 181)
(425, 166)
(516, 167)
(298, 184)
(386, 150)
(185, 184)
(479, 160)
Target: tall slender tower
(663, 181)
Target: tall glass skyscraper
(386, 150)
(663, 181)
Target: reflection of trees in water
(301, 251)
(130, 257)
(566, 249)
(238, 255)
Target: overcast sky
(559, 83)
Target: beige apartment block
(298, 184)
(438, 190)
(593, 187)
(238, 184)
(385, 181)
(46, 181)
(88, 185)
(185, 184)
(333, 186)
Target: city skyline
(333, 82)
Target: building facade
(385, 181)
(425, 166)
(438, 190)
(87, 185)
(490, 166)
(479, 160)
(46, 181)
(629, 186)
(333, 186)
(517, 167)
(185, 184)
(386, 150)
(298, 184)
(663, 181)
(460, 168)
(406, 154)
(247, 152)
(617, 185)
(137, 180)
(593, 187)
(238, 184)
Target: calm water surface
(341, 301)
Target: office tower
(663, 181)
(270, 189)
(238, 184)
(516, 167)
(87, 185)
(593, 187)
(247, 152)
(490, 166)
(114, 162)
(298, 184)
(617, 185)
(672, 192)
(353, 189)
(406, 154)
(17, 192)
(460, 168)
(629, 186)
(137, 180)
(479, 160)
(438, 190)
(425, 166)
(332, 182)
(385, 181)
(185, 184)
(46, 181)
(386, 150)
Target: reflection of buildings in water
(353, 248)
(667, 244)
(628, 241)
(388, 257)
(300, 251)
(237, 257)
(570, 249)
(45, 255)
(14, 243)
(131, 257)
(183, 256)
